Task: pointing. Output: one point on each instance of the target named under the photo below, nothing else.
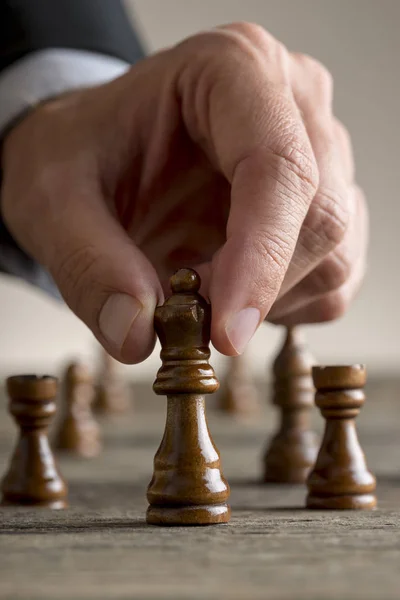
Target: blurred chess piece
(112, 394)
(33, 478)
(78, 431)
(293, 450)
(239, 394)
(340, 479)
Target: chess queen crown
(183, 324)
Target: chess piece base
(212, 514)
(350, 502)
(53, 504)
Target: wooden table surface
(273, 549)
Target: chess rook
(292, 452)
(187, 487)
(340, 478)
(78, 432)
(33, 477)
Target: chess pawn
(340, 478)
(187, 487)
(292, 452)
(112, 394)
(239, 396)
(78, 432)
(33, 478)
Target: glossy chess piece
(187, 487)
(78, 432)
(33, 478)
(239, 395)
(112, 394)
(293, 450)
(340, 478)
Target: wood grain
(273, 548)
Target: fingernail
(117, 316)
(241, 327)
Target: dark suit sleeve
(95, 25)
(27, 26)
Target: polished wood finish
(187, 487)
(112, 394)
(78, 432)
(292, 451)
(239, 396)
(33, 477)
(340, 478)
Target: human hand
(221, 153)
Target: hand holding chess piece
(78, 431)
(187, 487)
(293, 450)
(33, 478)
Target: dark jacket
(96, 25)
(29, 25)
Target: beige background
(358, 41)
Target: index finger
(250, 127)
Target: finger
(327, 220)
(102, 275)
(330, 307)
(309, 75)
(345, 148)
(335, 269)
(107, 282)
(250, 127)
(190, 235)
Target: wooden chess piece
(340, 478)
(78, 432)
(112, 395)
(33, 478)
(187, 487)
(239, 394)
(292, 452)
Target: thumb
(102, 275)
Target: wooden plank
(273, 548)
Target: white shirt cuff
(48, 73)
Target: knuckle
(327, 222)
(274, 250)
(254, 32)
(342, 132)
(320, 75)
(333, 306)
(334, 213)
(296, 167)
(269, 258)
(331, 274)
(249, 39)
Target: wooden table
(273, 549)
